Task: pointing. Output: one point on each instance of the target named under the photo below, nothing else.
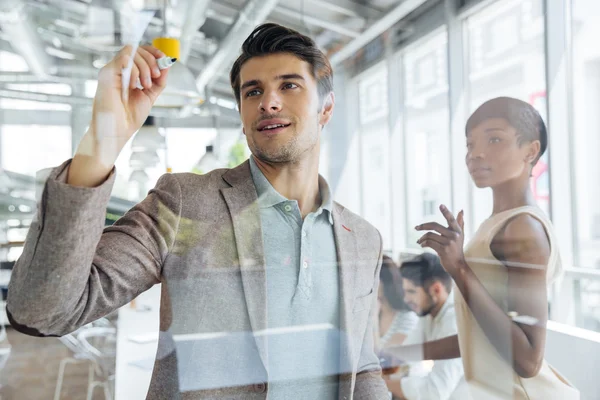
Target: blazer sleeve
(369, 382)
(73, 270)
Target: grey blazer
(200, 236)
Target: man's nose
(270, 103)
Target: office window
(179, 142)
(586, 98)
(19, 104)
(61, 89)
(374, 142)
(426, 132)
(185, 147)
(506, 57)
(373, 95)
(11, 62)
(26, 149)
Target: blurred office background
(407, 75)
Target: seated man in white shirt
(427, 291)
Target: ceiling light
(67, 25)
(60, 53)
(5, 182)
(207, 162)
(137, 4)
(148, 137)
(139, 176)
(181, 89)
(99, 63)
(144, 159)
(227, 104)
(90, 88)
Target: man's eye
(290, 86)
(252, 92)
(495, 140)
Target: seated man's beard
(430, 307)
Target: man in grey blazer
(268, 286)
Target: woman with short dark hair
(503, 274)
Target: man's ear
(435, 289)
(244, 131)
(327, 110)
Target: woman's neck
(511, 195)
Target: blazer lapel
(241, 200)
(347, 254)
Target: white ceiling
(71, 39)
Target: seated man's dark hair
(425, 269)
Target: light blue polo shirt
(302, 294)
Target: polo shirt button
(305, 264)
(259, 387)
(288, 208)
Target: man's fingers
(154, 51)
(144, 70)
(134, 75)
(151, 61)
(124, 56)
(123, 62)
(161, 81)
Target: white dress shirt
(441, 382)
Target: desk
(135, 359)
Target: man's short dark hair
(272, 38)
(425, 269)
(392, 284)
(520, 115)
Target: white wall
(575, 353)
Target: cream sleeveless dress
(487, 373)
